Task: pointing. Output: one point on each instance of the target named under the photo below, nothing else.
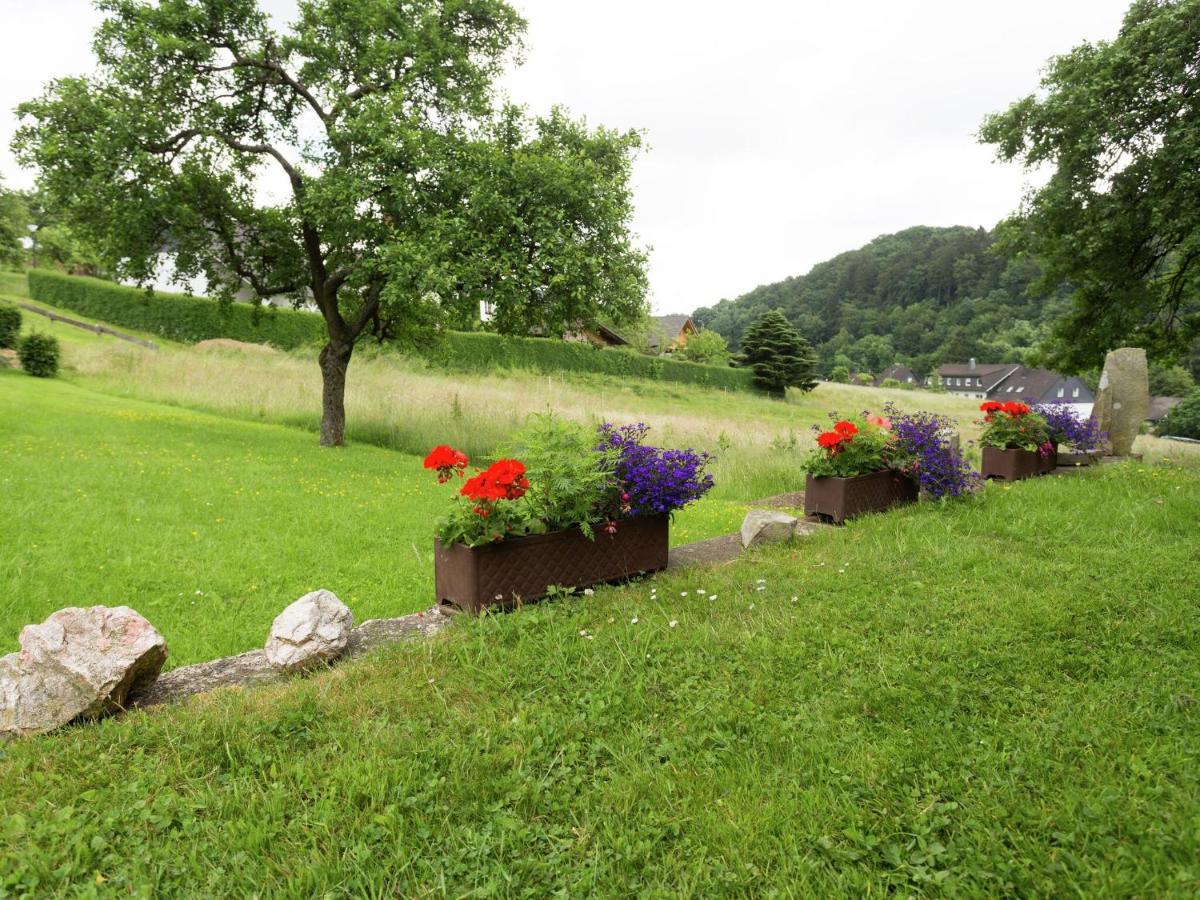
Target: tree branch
(369, 309)
(287, 78)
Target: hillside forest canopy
(1106, 253)
(922, 296)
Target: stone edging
(252, 668)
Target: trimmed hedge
(483, 352)
(189, 319)
(10, 325)
(176, 316)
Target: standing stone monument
(1124, 398)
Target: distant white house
(1009, 381)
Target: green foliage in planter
(10, 325)
(778, 354)
(1184, 419)
(179, 317)
(39, 355)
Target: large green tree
(163, 148)
(778, 354)
(1118, 125)
(14, 217)
(538, 226)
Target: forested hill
(921, 297)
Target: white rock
(314, 629)
(78, 664)
(767, 526)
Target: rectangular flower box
(1080, 458)
(521, 569)
(1013, 465)
(839, 499)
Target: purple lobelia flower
(1067, 428)
(933, 459)
(652, 480)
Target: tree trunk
(335, 358)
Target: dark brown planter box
(1013, 465)
(1080, 458)
(521, 569)
(838, 499)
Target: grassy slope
(399, 404)
(997, 697)
(110, 500)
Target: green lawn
(993, 698)
(209, 526)
(996, 697)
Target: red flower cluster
(1014, 408)
(843, 432)
(503, 480)
(448, 462)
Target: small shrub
(39, 355)
(1184, 419)
(10, 325)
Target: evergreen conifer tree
(779, 354)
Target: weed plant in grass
(994, 698)
(209, 526)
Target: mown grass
(209, 526)
(992, 698)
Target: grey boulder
(1124, 398)
(79, 664)
(313, 630)
(767, 526)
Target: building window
(1010, 387)
(958, 382)
(1061, 391)
(1075, 392)
(1021, 389)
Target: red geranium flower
(991, 406)
(447, 461)
(846, 429)
(829, 439)
(1016, 408)
(504, 480)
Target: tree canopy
(922, 297)
(402, 200)
(537, 225)
(778, 354)
(13, 218)
(1118, 124)
(705, 347)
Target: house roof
(668, 327)
(610, 336)
(898, 372)
(1160, 406)
(1037, 386)
(1030, 384)
(981, 369)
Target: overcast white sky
(780, 133)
